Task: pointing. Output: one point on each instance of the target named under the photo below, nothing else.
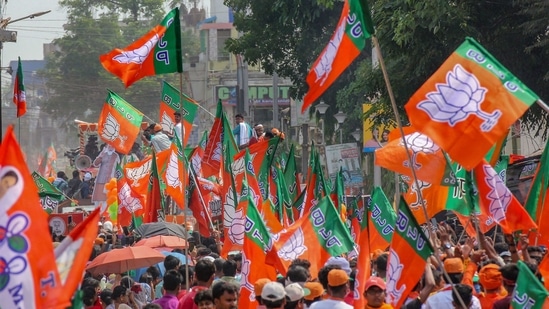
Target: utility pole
(275, 101)
(9, 36)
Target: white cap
(295, 292)
(107, 226)
(273, 291)
(87, 176)
(341, 262)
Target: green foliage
(76, 79)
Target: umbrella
(172, 242)
(121, 260)
(160, 265)
(161, 228)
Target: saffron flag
(198, 204)
(130, 203)
(470, 100)
(381, 220)
(428, 160)
(173, 173)
(119, 123)
(50, 196)
(45, 166)
(155, 203)
(354, 27)
(19, 97)
(157, 52)
(28, 274)
(73, 253)
(213, 152)
(529, 291)
(498, 201)
(316, 236)
(410, 249)
(256, 241)
(363, 270)
(171, 103)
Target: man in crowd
(204, 272)
(338, 288)
(225, 295)
(273, 296)
(172, 285)
(374, 293)
(242, 132)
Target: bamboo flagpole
(183, 177)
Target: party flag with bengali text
(354, 27)
(119, 123)
(171, 103)
(50, 196)
(529, 291)
(157, 52)
(472, 99)
(381, 220)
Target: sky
(31, 33)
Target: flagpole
(193, 175)
(402, 135)
(543, 105)
(183, 179)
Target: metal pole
(305, 148)
(275, 100)
(341, 134)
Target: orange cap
(316, 290)
(259, 284)
(375, 281)
(157, 127)
(490, 277)
(337, 277)
(453, 265)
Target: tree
(415, 37)
(76, 80)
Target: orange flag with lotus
(410, 249)
(470, 100)
(497, 201)
(352, 30)
(28, 273)
(157, 52)
(363, 270)
(119, 123)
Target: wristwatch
(447, 246)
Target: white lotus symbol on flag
(238, 167)
(196, 163)
(236, 231)
(137, 55)
(218, 152)
(172, 172)
(167, 123)
(324, 66)
(418, 142)
(65, 259)
(394, 271)
(111, 130)
(417, 190)
(215, 206)
(500, 197)
(245, 282)
(137, 173)
(131, 203)
(460, 97)
(293, 247)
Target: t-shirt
(330, 304)
(160, 141)
(167, 302)
(187, 302)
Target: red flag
(157, 52)
(19, 97)
(28, 272)
(498, 202)
(348, 40)
(73, 253)
(213, 153)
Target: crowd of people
(465, 273)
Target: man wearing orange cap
(258, 288)
(443, 298)
(374, 293)
(338, 288)
(159, 140)
(489, 277)
(316, 291)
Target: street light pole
(10, 36)
(321, 108)
(340, 117)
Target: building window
(222, 36)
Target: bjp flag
(499, 203)
(119, 123)
(410, 249)
(157, 52)
(316, 236)
(427, 158)
(73, 253)
(256, 241)
(363, 270)
(173, 173)
(470, 100)
(171, 103)
(381, 220)
(28, 272)
(130, 204)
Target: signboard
(59, 223)
(346, 156)
(257, 95)
(374, 136)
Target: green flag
(538, 190)
(381, 220)
(529, 291)
(50, 196)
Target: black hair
(323, 274)
(291, 304)
(352, 278)
(204, 270)
(381, 261)
(75, 173)
(127, 281)
(301, 262)
(119, 291)
(218, 263)
(238, 116)
(509, 272)
(501, 247)
(154, 272)
(297, 274)
(171, 262)
(172, 280)
(269, 134)
(221, 287)
(145, 278)
(61, 174)
(203, 295)
(152, 306)
(203, 251)
(94, 283)
(273, 304)
(465, 292)
(106, 296)
(454, 278)
(229, 268)
(88, 295)
(531, 249)
(183, 271)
